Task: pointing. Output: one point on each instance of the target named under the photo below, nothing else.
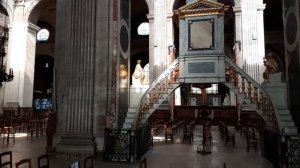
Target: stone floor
(176, 155)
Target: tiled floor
(177, 155)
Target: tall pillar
(261, 38)
(151, 47)
(238, 35)
(250, 31)
(21, 57)
(77, 74)
(160, 36)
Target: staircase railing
(253, 91)
(155, 91)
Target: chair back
(89, 162)
(75, 165)
(8, 162)
(43, 161)
(23, 162)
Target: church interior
(147, 83)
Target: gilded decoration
(201, 8)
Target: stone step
(290, 130)
(288, 123)
(132, 110)
(127, 125)
(129, 120)
(131, 114)
(282, 112)
(286, 117)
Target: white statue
(146, 75)
(138, 75)
(226, 101)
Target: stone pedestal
(277, 90)
(76, 146)
(136, 93)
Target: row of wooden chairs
(31, 127)
(6, 161)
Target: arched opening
(44, 16)
(139, 40)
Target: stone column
(170, 35)
(261, 38)
(151, 47)
(238, 34)
(76, 65)
(252, 42)
(21, 57)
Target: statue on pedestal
(138, 75)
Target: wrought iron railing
(156, 90)
(252, 91)
(293, 151)
(123, 145)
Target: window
(211, 90)
(43, 35)
(143, 29)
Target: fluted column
(79, 106)
(75, 63)
(261, 40)
(151, 46)
(252, 38)
(238, 35)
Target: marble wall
(291, 24)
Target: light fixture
(4, 77)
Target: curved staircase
(278, 119)
(156, 94)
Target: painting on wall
(201, 34)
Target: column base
(76, 146)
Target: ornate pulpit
(201, 50)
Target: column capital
(237, 9)
(33, 28)
(150, 17)
(170, 15)
(261, 7)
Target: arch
(8, 8)
(30, 8)
(150, 4)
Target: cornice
(201, 8)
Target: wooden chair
(188, 133)
(32, 128)
(43, 161)
(23, 162)
(143, 162)
(169, 135)
(252, 140)
(229, 136)
(9, 132)
(89, 162)
(75, 165)
(8, 163)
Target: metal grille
(118, 145)
(293, 152)
(126, 145)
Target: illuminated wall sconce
(123, 71)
